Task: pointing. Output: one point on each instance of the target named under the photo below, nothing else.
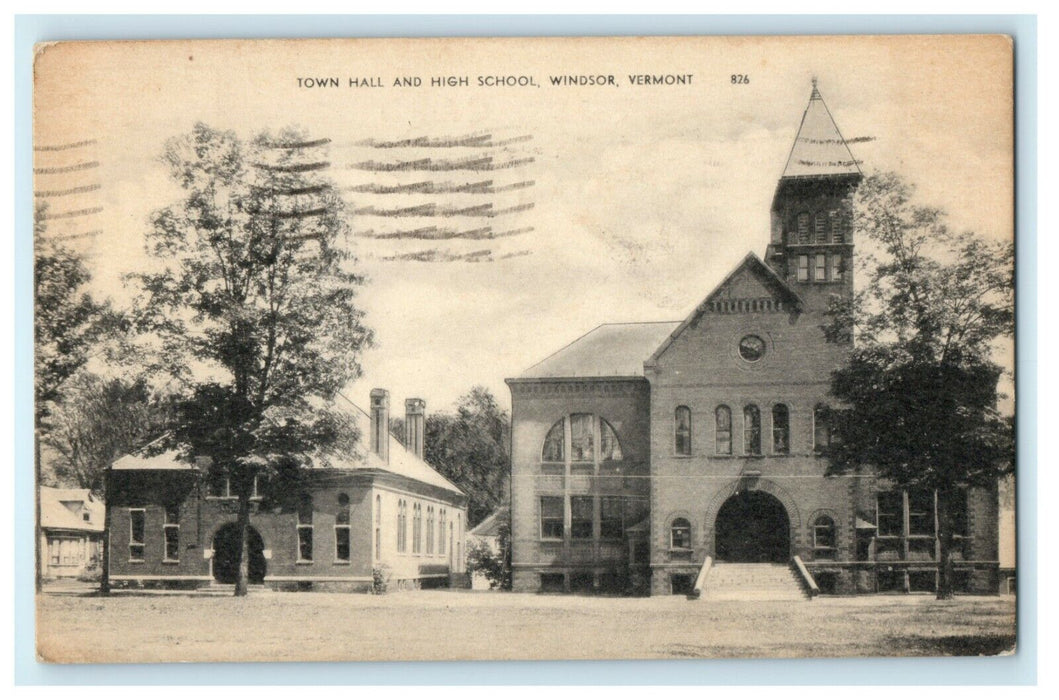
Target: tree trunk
(243, 523)
(36, 500)
(104, 580)
(945, 536)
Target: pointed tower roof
(819, 148)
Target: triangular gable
(735, 292)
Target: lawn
(443, 624)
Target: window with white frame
(444, 516)
(305, 529)
(582, 444)
(820, 267)
(417, 527)
(838, 267)
(137, 531)
(430, 530)
(551, 517)
(171, 532)
(680, 534)
(723, 430)
(402, 525)
(803, 268)
(342, 537)
(823, 537)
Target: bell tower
(811, 245)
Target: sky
(581, 204)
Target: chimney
(380, 423)
(415, 425)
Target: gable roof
(63, 509)
(402, 461)
(490, 527)
(609, 350)
(754, 265)
(819, 148)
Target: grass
(447, 625)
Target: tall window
(837, 268)
(378, 527)
(609, 447)
(402, 525)
(838, 227)
(682, 445)
(581, 443)
(444, 515)
(803, 227)
(921, 512)
(342, 542)
(430, 530)
(823, 537)
(889, 514)
(417, 528)
(611, 510)
(803, 268)
(820, 268)
(821, 428)
(820, 226)
(781, 430)
(305, 529)
(723, 433)
(171, 532)
(551, 517)
(751, 430)
(217, 484)
(581, 517)
(680, 534)
(553, 443)
(137, 528)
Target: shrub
(380, 579)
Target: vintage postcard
(557, 348)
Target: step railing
(806, 578)
(700, 580)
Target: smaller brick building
(174, 523)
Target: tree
(253, 307)
(494, 564)
(470, 449)
(920, 390)
(98, 420)
(66, 323)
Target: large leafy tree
(920, 392)
(469, 447)
(96, 421)
(67, 322)
(253, 306)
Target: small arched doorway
(226, 555)
(753, 526)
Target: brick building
(640, 450)
(173, 523)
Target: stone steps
(752, 582)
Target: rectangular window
(581, 442)
(803, 268)
(889, 510)
(137, 528)
(837, 268)
(551, 517)
(342, 542)
(581, 517)
(610, 518)
(171, 531)
(820, 268)
(217, 485)
(921, 513)
(305, 531)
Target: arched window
(430, 530)
(582, 445)
(723, 435)
(553, 444)
(417, 527)
(609, 447)
(821, 226)
(342, 544)
(781, 430)
(402, 526)
(751, 430)
(803, 227)
(443, 518)
(378, 527)
(682, 429)
(838, 227)
(821, 428)
(680, 534)
(823, 536)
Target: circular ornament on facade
(751, 348)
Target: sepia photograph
(464, 349)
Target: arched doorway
(226, 555)
(752, 526)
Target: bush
(380, 579)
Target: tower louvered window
(803, 227)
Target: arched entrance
(752, 526)
(226, 555)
